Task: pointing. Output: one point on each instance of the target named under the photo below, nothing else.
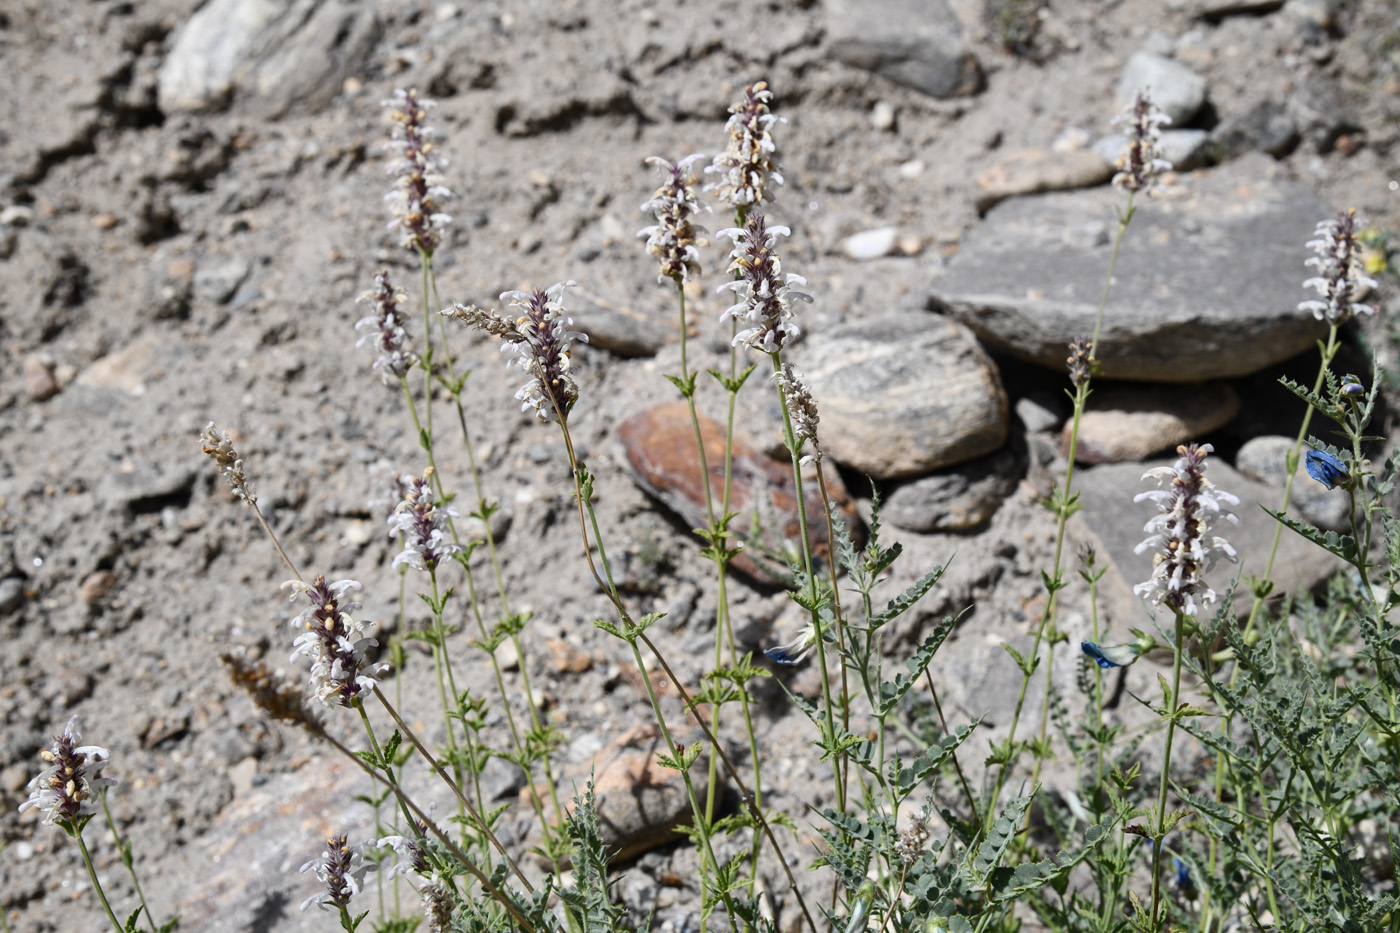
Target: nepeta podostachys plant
(335, 641)
(418, 182)
(764, 291)
(424, 525)
(385, 330)
(1185, 547)
(1341, 280)
(746, 170)
(675, 239)
(1140, 164)
(341, 870)
(543, 349)
(1181, 537)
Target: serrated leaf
(906, 600)
(891, 692)
(999, 837)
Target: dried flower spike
(341, 870)
(384, 328)
(765, 292)
(427, 538)
(802, 408)
(272, 692)
(1080, 362)
(332, 640)
(417, 184)
(1139, 164)
(219, 447)
(67, 789)
(746, 166)
(911, 841)
(1181, 533)
(673, 239)
(1341, 278)
(541, 345)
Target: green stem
(77, 833)
(1173, 705)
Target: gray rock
(1265, 459)
(917, 43)
(1040, 411)
(871, 244)
(957, 499)
(905, 393)
(1266, 127)
(1320, 110)
(1202, 290)
(11, 594)
(275, 56)
(1184, 149)
(1111, 523)
(1176, 90)
(622, 330)
(1133, 422)
(219, 282)
(148, 484)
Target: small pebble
(97, 586)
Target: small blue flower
(1183, 879)
(1327, 469)
(1107, 656)
(1352, 387)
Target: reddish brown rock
(639, 802)
(97, 585)
(660, 447)
(566, 659)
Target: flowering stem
(790, 436)
(1173, 705)
(76, 831)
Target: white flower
(1181, 533)
(1340, 279)
(68, 788)
(426, 535)
(673, 239)
(341, 869)
(541, 346)
(385, 330)
(765, 293)
(332, 640)
(746, 165)
(1139, 164)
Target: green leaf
(1343, 546)
(1029, 876)
(999, 837)
(906, 600)
(891, 692)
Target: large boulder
(1207, 284)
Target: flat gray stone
(272, 56)
(904, 393)
(1112, 523)
(917, 43)
(1176, 90)
(957, 499)
(1207, 284)
(1029, 171)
